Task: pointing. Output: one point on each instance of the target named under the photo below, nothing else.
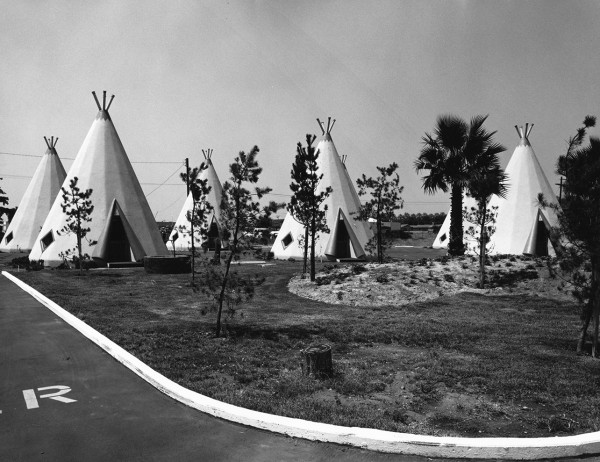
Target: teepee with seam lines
(347, 237)
(36, 202)
(122, 222)
(182, 231)
(522, 227)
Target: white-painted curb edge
(376, 440)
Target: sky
(228, 75)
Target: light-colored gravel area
(404, 282)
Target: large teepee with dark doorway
(36, 202)
(347, 237)
(122, 223)
(181, 235)
(522, 226)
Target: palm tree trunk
(456, 246)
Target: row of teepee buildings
(123, 227)
(346, 238)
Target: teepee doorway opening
(119, 249)
(213, 235)
(541, 239)
(342, 245)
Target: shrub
(449, 278)
(358, 269)
(27, 264)
(382, 279)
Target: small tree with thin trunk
(482, 187)
(305, 204)
(239, 211)
(77, 206)
(385, 193)
(198, 216)
(486, 179)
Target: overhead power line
(72, 158)
(6, 175)
(168, 178)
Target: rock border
(365, 438)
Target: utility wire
(72, 158)
(168, 178)
(6, 175)
(171, 204)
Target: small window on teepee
(443, 237)
(9, 237)
(287, 240)
(47, 240)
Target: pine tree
(578, 232)
(198, 216)
(305, 204)
(385, 193)
(77, 206)
(239, 211)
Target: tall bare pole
(187, 177)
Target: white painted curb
(376, 440)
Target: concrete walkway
(104, 412)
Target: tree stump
(317, 361)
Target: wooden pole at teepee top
(97, 102)
(110, 102)
(528, 132)
(321, 125)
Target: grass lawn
(466, 365)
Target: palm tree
(451, 156)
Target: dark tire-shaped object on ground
(167, 265)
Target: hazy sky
(226, 75)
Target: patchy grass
(469, 364)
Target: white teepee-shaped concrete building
(122, 223)
(181, 235)
(36, 202)
(522, 227)
(347, 237)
